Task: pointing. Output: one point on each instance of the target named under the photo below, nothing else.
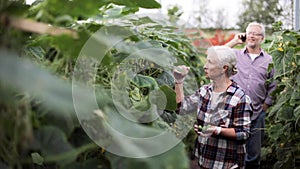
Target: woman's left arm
(241, 121)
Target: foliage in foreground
(282, 147)
(39, 124)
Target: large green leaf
(165, 78)
(289, 38)
(170, 96)
(16, 8)
(87, 8)
(53, 144)
(65, 121)
(142, 81)
(295, 97)
(285, 113)
(138, 3)
(74, 8)
(67, 45)
(55, 93)
(172, 159)
(25, 76)
(297, 112)
(275, 131)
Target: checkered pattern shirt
(216, 151)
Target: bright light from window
(29, 2)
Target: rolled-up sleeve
(190, 103)
(242, 118)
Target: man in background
(252, 76)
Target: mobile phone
(243, 37)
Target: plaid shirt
(218, 151)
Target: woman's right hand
(180, 73)
(196, 128)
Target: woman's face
(212, 68)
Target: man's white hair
(261, 26)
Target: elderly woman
(223, 111)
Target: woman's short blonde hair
(226, 57)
